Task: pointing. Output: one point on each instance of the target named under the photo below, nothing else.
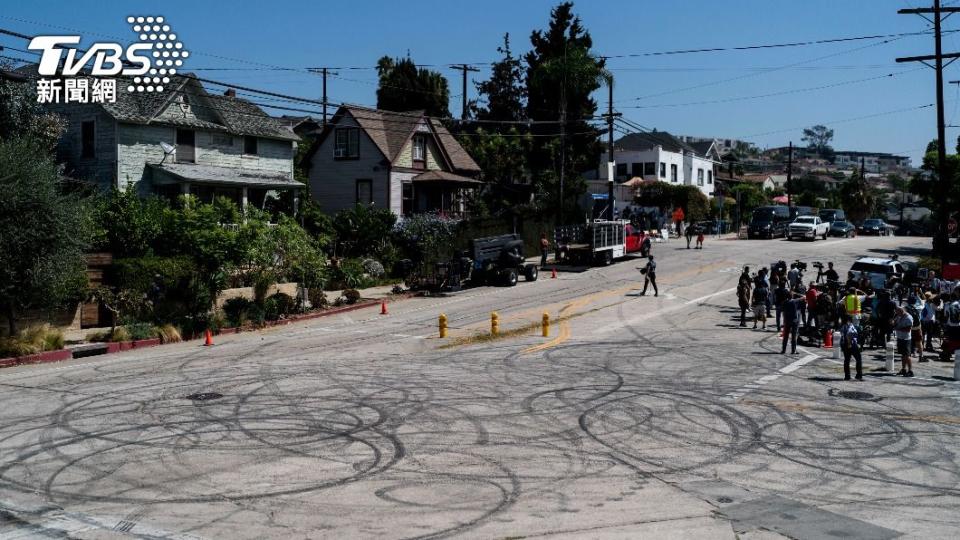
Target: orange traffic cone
(383, 307)
(553, 275)
(209, 340)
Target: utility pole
(324, 72)
(789, 173)
(464, 68)
(611, 162)
(942, 185)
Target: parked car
(878, 270)
(874, 226)
(831, 215)
(807, 227)
(769, 222)
(842, 228)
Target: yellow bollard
(546, 324)
(494, 323)
(443, 326)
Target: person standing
(831, 274)
(650, 276)
(811, 301)
(791, 323)
(544, 248)
(852, 305)
(850, 345)
(689, 236)
(699, 237)
(760, 298)
(780, 295)
(928, 319)
(902, 325)
(743, 299)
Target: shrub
(119, 334)
(256, 314)
(140, 331)
(351, 296)
(32, 340)
(318, 299)
(236, 310)
(372, 268)
(285, 303)
(271, 311)
(350, 274)
(339, 301)
(168, 333)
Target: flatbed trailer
(597, 241)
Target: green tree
(750, 197)
(131, 224)
(562, 75)
(404, 87)
(363, 230)
(503, 159)
(21, 116)
(859, 199)
(818, 140)
(504, 95)
(44, 232)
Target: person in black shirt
(791, 323)
(650, 273)
(831, 274)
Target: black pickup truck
(493, 260)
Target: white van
(877, 270)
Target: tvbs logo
(147, 65)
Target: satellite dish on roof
(167, 150)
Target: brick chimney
(230, 92)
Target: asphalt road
(639, 417)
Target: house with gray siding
(406, 162)
(183, 140)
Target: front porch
(247, 188)
(438, 191)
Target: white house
(658, 156)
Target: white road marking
(709, 296)
(785, 370)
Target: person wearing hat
(650, 276)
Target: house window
(650, 168)
(186, 143)
(636, 169)
(709, 177)
(88, 140)
(699, 177)
(407, 198)
(663, 170)
(621, 169)
(419, 148)
(347, 143)
(673, 172)
(364, 191)
(250, 145)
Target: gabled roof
(652, 139)
(390, 132)
(225, 113)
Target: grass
(32, 340)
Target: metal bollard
(546, 324)
(836, 345)
(956, 365)
(494, 323)
(443, 325)
(890, 348)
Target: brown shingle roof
(389, 131)
(459, 158)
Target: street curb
(62, 355)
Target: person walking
(544, 248)
(699, 237)
(689, 236)
(850, 345)
(791, 323)
(902, 325)
(650, 276)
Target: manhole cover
(855, 395)
(204, 396)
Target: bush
(372, 268)
(318, 299)
(285, 303)
(257, 314)
(236, 310)
(271, 311)
(350, 274)
(351, 296)
(32, 340)
(138, 331)
(169, 333)
(363, 230)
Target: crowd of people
(916, 312)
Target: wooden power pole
(464, 68)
